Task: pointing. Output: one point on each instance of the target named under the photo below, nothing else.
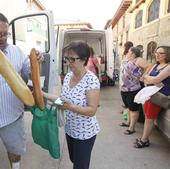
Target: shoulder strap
(153, 67)
(163, 67)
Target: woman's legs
(151, 114)
(144, 140)
(70, 145)
(80, 151)
(129, 118)
(148, 126)
(128, 99)
(124, 96)
(134, 115)
(126, 123)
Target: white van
(37, 30)
(98, 40)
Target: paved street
(112, 150)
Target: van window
(30, 32)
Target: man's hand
(40, 57)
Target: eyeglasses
(160, 53)
(4, 34)
(70, 59)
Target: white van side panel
(110, 56)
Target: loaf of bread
(35, 76)
(15, 81)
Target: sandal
(138, 139)
(129, 132)
(124, 124)
(141, 144)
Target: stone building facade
(150, 25)
(147, 24)
(144, 22)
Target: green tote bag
(45, 130)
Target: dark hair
(127, 46)
(167, 51)
(3, 18)
(91, 51)
(136, 51)
(81, 48)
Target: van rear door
(95, 38)
(99, 40)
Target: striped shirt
(10, 106)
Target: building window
(138, 20)
(153, 11)
(169, 6)
(150, 51)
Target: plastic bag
(45, 130)
(125, 114)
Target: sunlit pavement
(112, 150)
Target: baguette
(35, 76)
(14, 80)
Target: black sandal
(136, 140)
(141, 144)
(123, 124)
(129, 132)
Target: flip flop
(124, 124)
(129, 132)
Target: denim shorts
(13, 137)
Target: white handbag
(61, 118)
